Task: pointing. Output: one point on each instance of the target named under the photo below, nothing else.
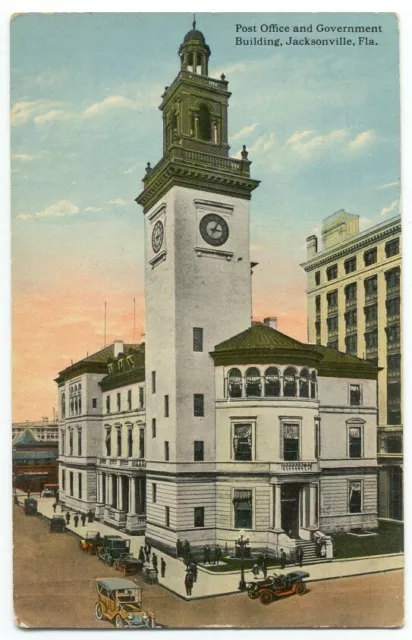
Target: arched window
(253, 382)
(313, 385)
(234, 383)
(205, 125)
(304, 384)
(289, 384)
(272, 382)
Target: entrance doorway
(290, 509)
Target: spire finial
(194, 21)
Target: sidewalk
(213, 584)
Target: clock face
(157, 236)
(214, 229)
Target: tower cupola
(194, 52)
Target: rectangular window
(393, 307)
(290, 441)
(141, 443)
(355, 442)
(243, 509)
(166, 403)
(371, 339)
(198, 450)
(351, 318)
(80, 485)
(317, 278)
(393, 278)
(355, 395)
(167, 516)
(371, 313)
(129, 399)
(350, 265)
(119, 442)
(70, 442)
(317, 438)
(332, 323)
(355, 496)
(153, 381)
(108, 442)
(370, 257)
(167, 452)
(317, 304)
(119, 401)
(141, 397)
(63, 479)
(130, 442)
(242, 441)
(332, 298)
(351, 343)
(63, 437)
(394, 363)
(198, 405)
(71, 482)
(332, 272)
(199, 517)
(350, 292)
(79, 442)
(392, 248)
(371, 286)
(197, 339)
(153, 427)
(154, 492)
(94, 403)
(393, 334)
(107, 404)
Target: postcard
(206, 243)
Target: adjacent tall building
(353, 303)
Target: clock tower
(198, 293)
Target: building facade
(42, 429)
(216, 424)
(353, 304)
(34, 462)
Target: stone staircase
(309, 552)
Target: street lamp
(242, 542)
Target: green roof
(25, 437)
(97, 363)
(34, 455)
(260, 344)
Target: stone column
(132, 497)
(99, 486)
(313, 520)
(303, 511)
(281, 386)
(277, 513)
(119, 493)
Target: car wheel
(98, 611)
(118, 621)
(253, 593)
(266, 597)
(301, 588)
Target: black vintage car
(57, 524)
(277, 586)
(30, 506)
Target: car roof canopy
(116, 583)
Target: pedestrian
(142, 556)
(83, 519)
(299, 555)
(162, 568)
(193, 570)
(54, 507)
(206, 554)
(260, 561)
(154, 561)
(265, 563)
(189, 583)
(186, 549)
(318, 547)
(282, 559)
(149, 546)
(219, 553)
(89, 516)
(215, 556)
(255, 571)
(68, 518)
(147, 551)
(76, 519)
(179, 548)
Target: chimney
(118, 346)
(271, 322)
(311, 246)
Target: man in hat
(299, 555)
(68, 518)
(76, 519)
(282, 559)
(162, 567)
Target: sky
(321, 125)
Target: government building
(216, 424)
(353, 302)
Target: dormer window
(110, 367)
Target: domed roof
(194, 34)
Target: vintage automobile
(112, 548)
(128, 564)
(50, 490)
(91, 542)
(30, 506)
(277, 586)
(57, 524)
(120, 601)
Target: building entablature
(121, 465)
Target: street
(54, 587)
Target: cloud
(93, 209)
(361, 140)
(54, 114)
(364, 223)
(393, 207)
(109, 104)
(22, 111)
(24, 157)
(25, 216)
(60, 209)
(119, 202)
(388, 185)
(244, 132)
(306, 143)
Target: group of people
(144, 557)
(82, 517)
(212, 556)
(190, 577)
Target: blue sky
(321, 125)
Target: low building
(34, 462)
(43, 430)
